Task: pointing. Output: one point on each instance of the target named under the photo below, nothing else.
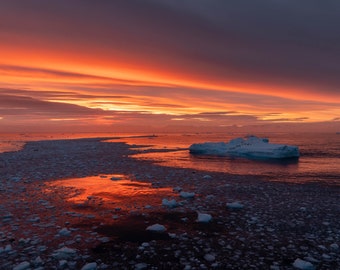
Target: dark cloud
(23, 105)
(287, 43)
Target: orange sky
(93, 69)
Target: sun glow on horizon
(115, 85)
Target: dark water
(319, 160)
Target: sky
(180, 65)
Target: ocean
(319, 160)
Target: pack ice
(249, 147)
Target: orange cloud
(159, 59)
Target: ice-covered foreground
(250, 147)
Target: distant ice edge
(248, 147)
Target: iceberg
(248, 147)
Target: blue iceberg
(249, 147)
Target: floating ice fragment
(104, 239)
(8, 248)
(204, 218)
(16, 179)
(334, 246)
(207, 176)
(303, 265)
(187, 195)
(22, 266)
(64, 253)
(209, 257)
(210, 197)
(145, 244)
(64, 232)
(177, 189)
(62, 263)
(141, 266)
(235, 205)
(170, 203)
(38, 261)
(90, 266)
(7, 217)
(156, 228)
(34, 219)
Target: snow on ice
(249, 147)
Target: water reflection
(119, 190)
(231, 165)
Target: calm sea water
(319, 161)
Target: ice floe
(235, 205)
(22, 266)
(303, 265)
(170, 203)
(156, 228)
(203, 218)
(187, 195)
(249, 147)
(64, 253)
(90, 266)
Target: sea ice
(64, 232)
(187, 195)
(170, 203)
(177, 189)
(209, 257)
(64, 253)
(303, 265)
(249, 147)
(203, 218)
(90, 266)
(22, 266)
(156, 228)
(235, 205)
(140, 266)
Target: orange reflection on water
(113, 188)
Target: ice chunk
(90, 266)
(22, 266)
(204, 218)
(209, 257)
(235, 205)
(250, 147)
(187, 195)
(334, 247)
(140, 266)
(156, 228)
(64, 253)
(64, 232)
(170, 203)
(303, 265)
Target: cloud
(23, 105)
(195, 60)
(278, 44)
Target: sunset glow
(122, 69)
